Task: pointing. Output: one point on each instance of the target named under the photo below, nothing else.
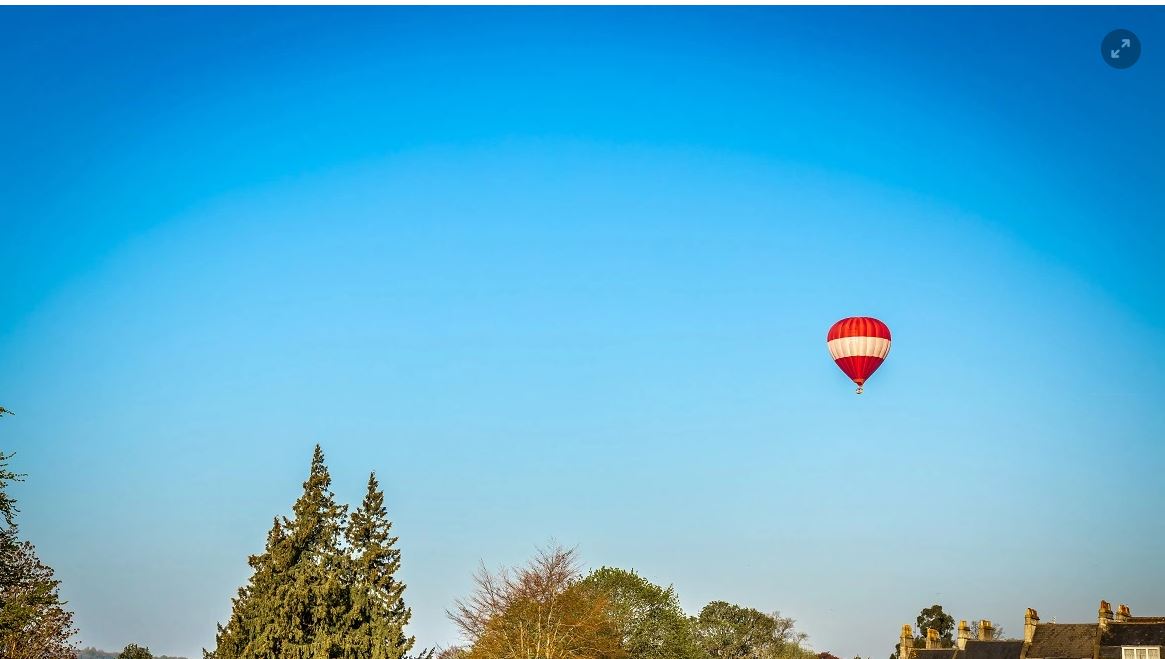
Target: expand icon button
(1120, 49)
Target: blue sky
(567, 273)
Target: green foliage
(7, 504)
(728, 631)
(34, 623)
(544, 611)
(135, 651)
(324, 587)
(378, 615)
(94, 653)
(649, 618)
(933, 617)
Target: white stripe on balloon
(859, 346)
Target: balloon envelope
(858, 346)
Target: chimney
(986, 630)
(932, 641)
(1030, 620)
(964, 634)
(1104, 615)
(906, 642)
(1123, 614)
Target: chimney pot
(906, 642)
(1123, 614)
(986, 630)
(964, 634)
(932, 640)
(1104, 615)
(1030, 620)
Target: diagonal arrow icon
(1119, 49)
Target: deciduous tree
(933, 617)
(134, 651)
(539, 611)
(34, 623)
(649, 619)
(728, 631)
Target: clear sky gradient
(567, 273)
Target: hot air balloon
(858, 345)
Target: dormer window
(1141, 653)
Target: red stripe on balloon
(858, 326)
(860, 368)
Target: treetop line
(325, 587)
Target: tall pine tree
(296, 604)
(378, 615)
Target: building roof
(992, 650)
(1063, 641)
(1134, 633)
(1102, 639)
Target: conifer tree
(249, 632)
(296, 602)
(378, 615)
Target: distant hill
(94, 653)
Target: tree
(325, 586)
(728, 631)
(8, 508)
(648, 618)
(297, 601)
(827, 655)
(540, 611)
(378, 615)
(933, 617)
(34, 623)
(134, 651)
